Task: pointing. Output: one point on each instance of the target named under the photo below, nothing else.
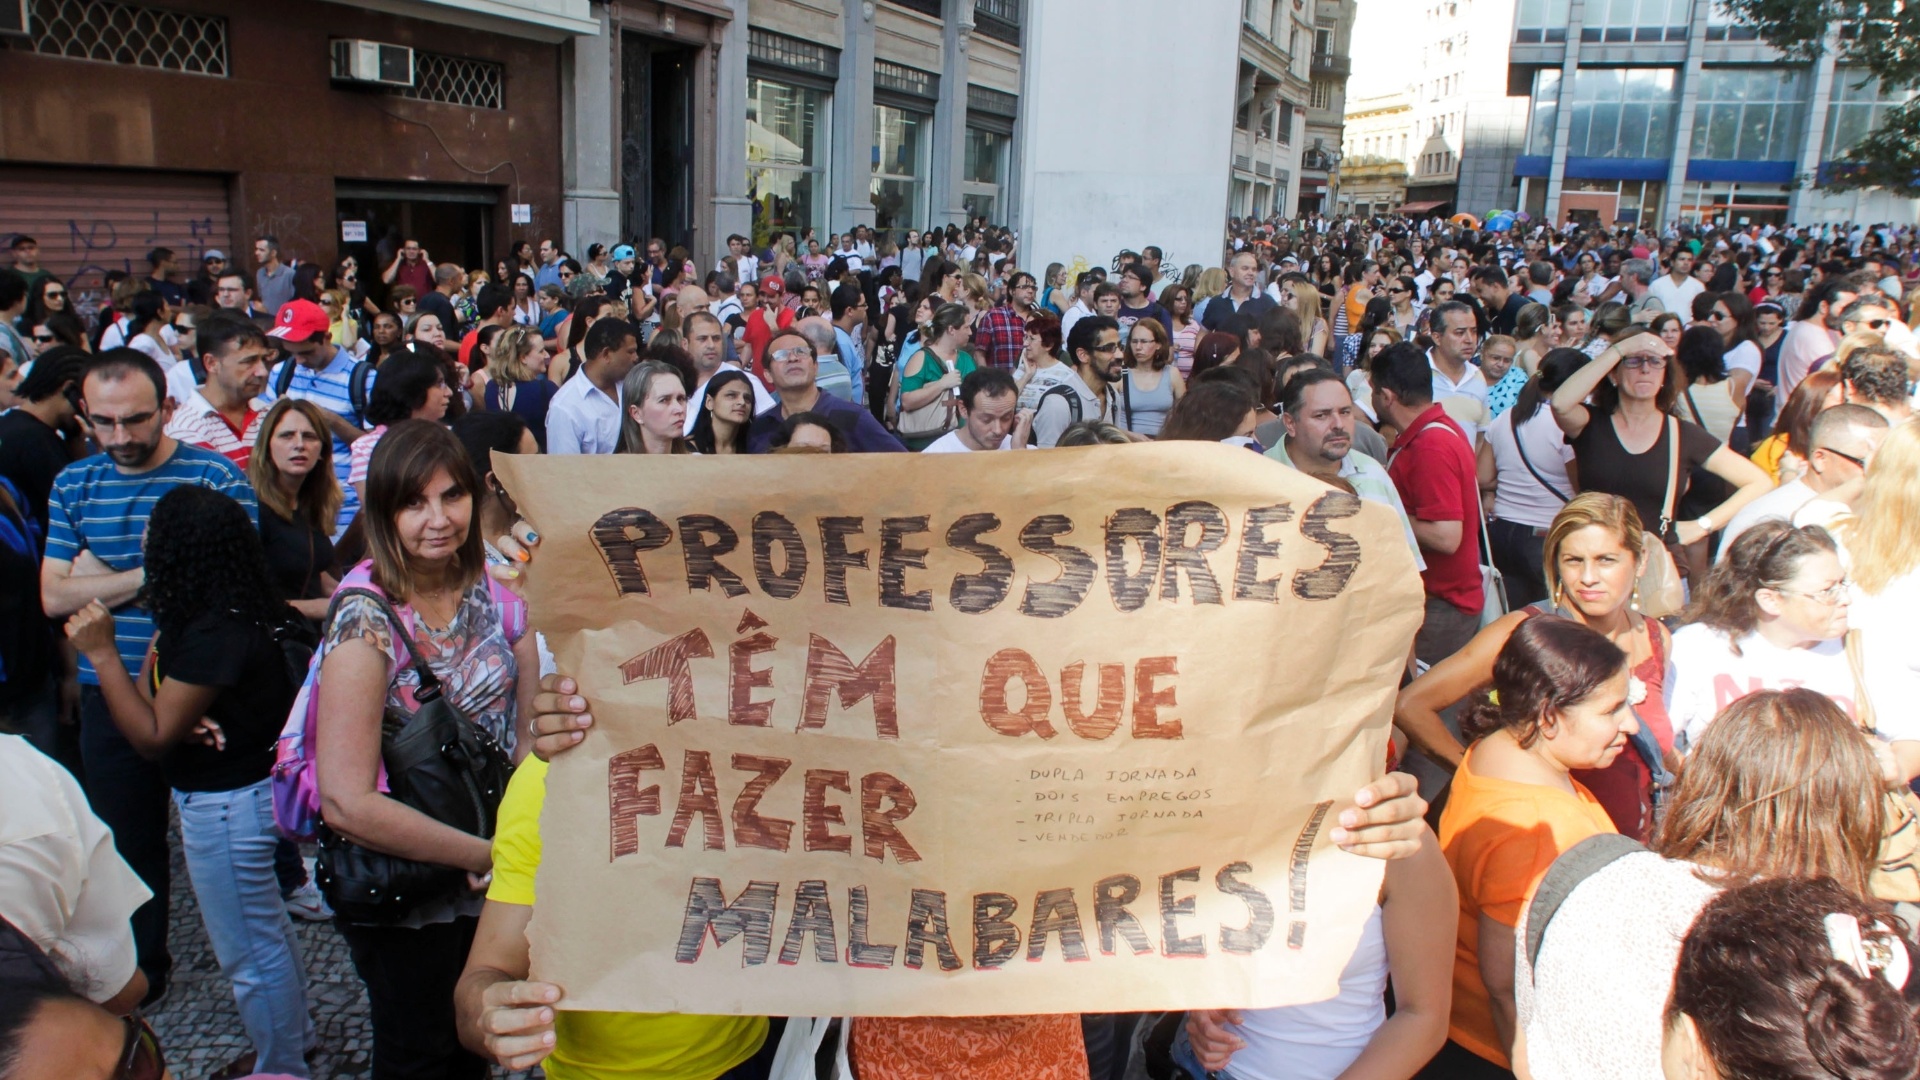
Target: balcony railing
(1332, 64)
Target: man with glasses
(793, 370)
(97, 515)
(1843, 440)
(657, 261)
(1871, 312)
(1085, 392)
(1002, 331)
(230, 294)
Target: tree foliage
(1881, 36)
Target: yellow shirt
(602, 1045)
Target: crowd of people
(1650, 809)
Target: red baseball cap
(299, 320)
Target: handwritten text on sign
(986, 733)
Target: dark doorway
(656, 143)
(454, 224)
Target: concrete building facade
(1462, 115)
(1376, 155)
(1268, 116)
(1668, 110)
(1331, 64)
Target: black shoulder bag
(439, 763)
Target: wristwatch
(1706, 524)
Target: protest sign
(887, 735)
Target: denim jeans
(130, 795)
(229, 840)
(1184, 1057)
(1517, 552)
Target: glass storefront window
(1622, 113)
(1750, 114)
(1859, 105)
(899, 166)
(985, 163)
(786, 155)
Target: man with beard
(1086, 393)
(224, 414)
(97, 515)
(707, 345)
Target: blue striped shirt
(331, 388)
(96, 507)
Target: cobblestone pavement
(200, 1027)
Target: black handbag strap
(429, 682)
(1692, 408)
(1513, 422)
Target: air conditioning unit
(372, 62)
(15, 17)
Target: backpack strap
(1575, 865)
(283, 378)
(358, 382)
(429, 682)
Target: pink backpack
(296, 792)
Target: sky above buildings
(1386, 45)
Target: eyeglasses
(1644, 363)
(140, 1056)
(795, 353)
(1836, 453)
(43, 339)
(128, 423)
(56, 294)
(1831, 596)
(1877, 324)
(1398, 292)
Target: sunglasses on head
(140, 1056)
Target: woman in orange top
(1559, 703)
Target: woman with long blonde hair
(1883, 641)
(1304, 300)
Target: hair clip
(1877, 953)
(1493, 698)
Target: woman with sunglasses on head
(1625, 442)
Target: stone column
(1563, 112)
(589, 135)
(851, 173)
(732, 210)
(946, 162)
(1683, 116)
(1807, 170)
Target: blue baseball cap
(623, 251)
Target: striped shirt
(96, 507)
(198, 423)
(331, 388)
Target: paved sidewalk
(200, 1028)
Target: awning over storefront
(1421, 207)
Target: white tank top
(1319, 1041)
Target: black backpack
(1073, 406)
(357, 382)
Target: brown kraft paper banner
(961, 734)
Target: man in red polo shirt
(1432, 467)
(224, 414)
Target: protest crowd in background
(1662, 487)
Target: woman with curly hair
(216, 656)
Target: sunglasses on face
(140, 1057)
(56, 294)
(43, 339)
(1877, 324)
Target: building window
(455, 80)
(1537, 21)
(1859, 106)
(982, 172)
(1323, 42)
(1750, 114)
(793, 52)
(786, 156)
(998, 19)
(1322, 94)
(127, 34)
(1285, 135)
(899, 166)
(1721, 26)
(1616, 113)
(1636, 20)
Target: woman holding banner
(511, 1020)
